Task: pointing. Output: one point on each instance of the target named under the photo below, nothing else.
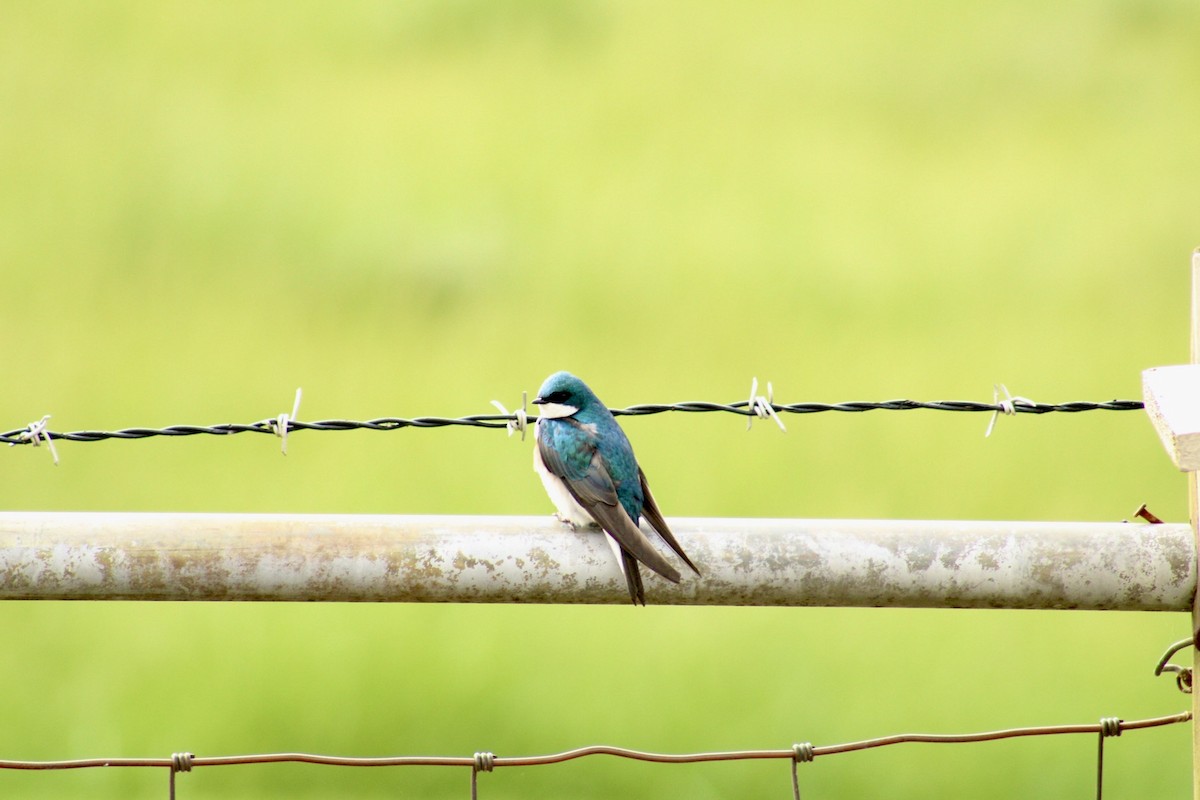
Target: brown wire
(594, 750)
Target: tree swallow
(587, 465)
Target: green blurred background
(414, 208)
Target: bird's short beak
(537, 401)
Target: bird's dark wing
(655, 518)
(633, 578)
(594, 490)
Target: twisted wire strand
(501, 421)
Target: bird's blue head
(564, 395)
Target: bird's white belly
(568, 509)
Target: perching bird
(587, 465)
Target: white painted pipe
(745, 562)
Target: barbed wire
(37, 433)
(487, 761)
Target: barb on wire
(763, 407)
(1007, 406)
(517, 421)
(35, 433)
(282, 424)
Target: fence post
(1172, 397)
(1194, 514)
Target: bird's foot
(566, 522)
(573, 525)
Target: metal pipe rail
(478, 559)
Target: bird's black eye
(557, 397)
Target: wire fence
(756, 407)
(800, 753)
(487, 762)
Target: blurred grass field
(412, 209)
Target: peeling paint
(988, 561)
(537, 560)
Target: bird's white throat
(556, 410)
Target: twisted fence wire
(487, 761)
(36, 433)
